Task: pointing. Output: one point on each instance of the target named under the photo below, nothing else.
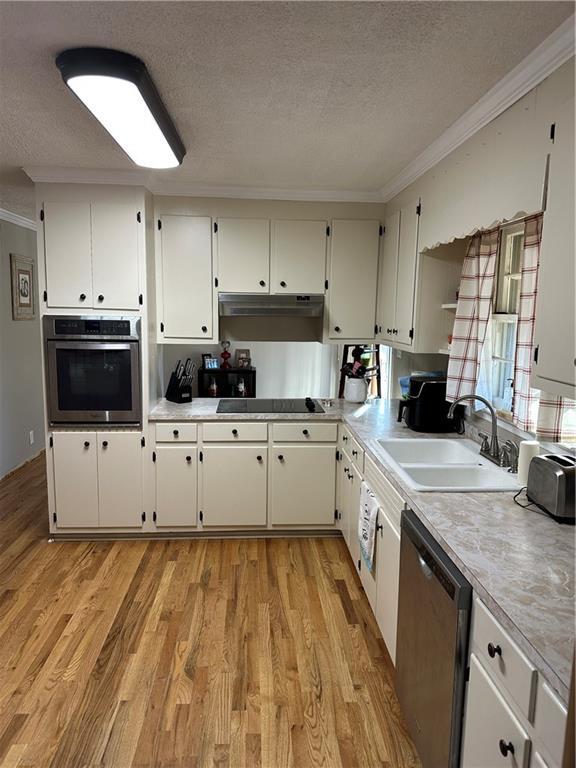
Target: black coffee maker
(426, 409)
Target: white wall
(497, 174)
(284, 369)
(21, 385)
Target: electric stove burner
(256, 405)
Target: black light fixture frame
(107, 62)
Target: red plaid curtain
(472, 314)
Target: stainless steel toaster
(551, 481)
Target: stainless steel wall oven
(93, 370)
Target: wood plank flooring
(186, 653)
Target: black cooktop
(256, 405)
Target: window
(496, 380)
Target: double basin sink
(448, 465)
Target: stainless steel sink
(446, 465)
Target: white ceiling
(336, 96)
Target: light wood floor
(186, 653)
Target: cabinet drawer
(550, 721)
(235, 431)
(492, 734)
(504, 659)
(304, 433)
(176, 433)
(352, 447)
(388, 497)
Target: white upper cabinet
(353, 276)
(298, 256)
(187, 303)
(554, 361)
(243, 255)
(386, 312)
(395, 316)
(407, 255)
(68, 254)
(114, 256)
(91, 255)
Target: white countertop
(520, 563)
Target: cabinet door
(353, 279)
(76, 479)
(303, 485)
(243, 255)
(298, 256)
(120, 479)
(406, 280)
(68, 254)
(354, 481)
(176, 485)
(114, 256)
(186, 244)
(234, 485)
(341, 501)
(555, 303)
(490, 725)
(387, 574)
(387, 275)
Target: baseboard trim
(215, 535)
(23, 465)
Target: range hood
(267, 305)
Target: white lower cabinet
(75, 461)
(97, 479)
(493, 736)
(120, 480)
(387, 584)
(303, 485)
(176, 486)
(233, 485)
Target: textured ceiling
(323, 95)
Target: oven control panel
(73, 327)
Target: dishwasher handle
(433, 561)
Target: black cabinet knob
(388, 330)
(204, 329)
(305, 432)
(506, 748)
(280, 457)
(86, 444)
(234, 432)
(188, 459)
(395, 331)
(100, 297)
(354, 453)
(345, 438)
(283, 283)
(258, 458)
(262, 283)
(337, 328)
(494, 650)
(175, 432)
(379, 527)
(104, 443)
(82, 297)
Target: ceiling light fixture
(118, 90)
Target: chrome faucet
(491, 451)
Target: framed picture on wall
(23, 288)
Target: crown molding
(15, 218)
(554, 51)
(191, 189)
(58, 175)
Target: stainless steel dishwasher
(432, 645)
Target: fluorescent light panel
(118, 90)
